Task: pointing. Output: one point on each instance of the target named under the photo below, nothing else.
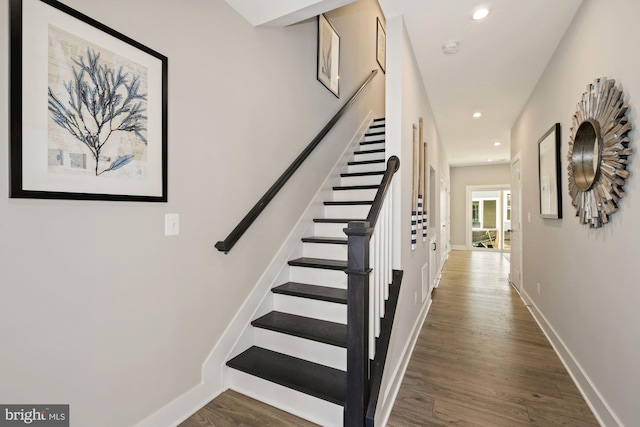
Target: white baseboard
(181, 408)
(599, 406)
(458, 248)
(386, 405)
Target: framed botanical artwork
(328, 56)
(381, 46)
(549, 172)
(88, 109)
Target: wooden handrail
(228, 243)
(393, 164)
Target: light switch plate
(171, 224)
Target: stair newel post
(358, 237)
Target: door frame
(468, 213)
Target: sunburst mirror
(598, 152)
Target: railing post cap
(358, 228)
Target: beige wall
(588, 277)
(461, 178)
(100, 310)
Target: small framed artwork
(328, 56)
(381, 46)
(549, 171)
(88, 109)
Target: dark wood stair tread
(304, 327)
(320, 381)
(327, 240)
(304, 290)
(335, 220)
(327, 264)
(379, 150)
(356, 187)
(348, 174)
(366, 162)
(348, 202)
(375, 141)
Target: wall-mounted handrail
(228, 243)
(368, 248)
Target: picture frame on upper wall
(328, 72)
(549, 173)
(88, 109)
(381, 46)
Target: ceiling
(499, 61)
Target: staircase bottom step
(316, 380)
(316, 410)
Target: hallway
(482, 360)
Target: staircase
(298, 358)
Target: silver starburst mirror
(598, 153)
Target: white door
(515, 275)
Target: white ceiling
(499, 62)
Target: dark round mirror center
(586, 154)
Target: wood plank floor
(234, 409)
(480, 360)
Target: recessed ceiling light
(489, 160)
(477, 115)
(480, 13)
(497, 144)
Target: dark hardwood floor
(480, 360)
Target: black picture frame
(328, 70)
(88, 109)
(381, 46)
(549, 174)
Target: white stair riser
(318, 276)
(325, 250)
(345, 195)
(368, 138)
(367, 167)
(369, 156)
(347, 211)
(311, 408)
(330, 229)
(367, 147)
(313, 351)
(361, 180)
(323, 310)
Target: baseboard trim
(458, 248)
(599, 406)
(384, 410)
(181, 408)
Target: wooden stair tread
(379, 150)
(356, 187)
(327, 264)
(348, 202)
(347, 174)
(336, 220)
(320, 381)
(327, 240)
(304, 327)
(366, 162)
(321, 293)
(375, 141)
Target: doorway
(489, 218)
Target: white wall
(463, 176)
(407, 101)
(98, 308)
(588, 277)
